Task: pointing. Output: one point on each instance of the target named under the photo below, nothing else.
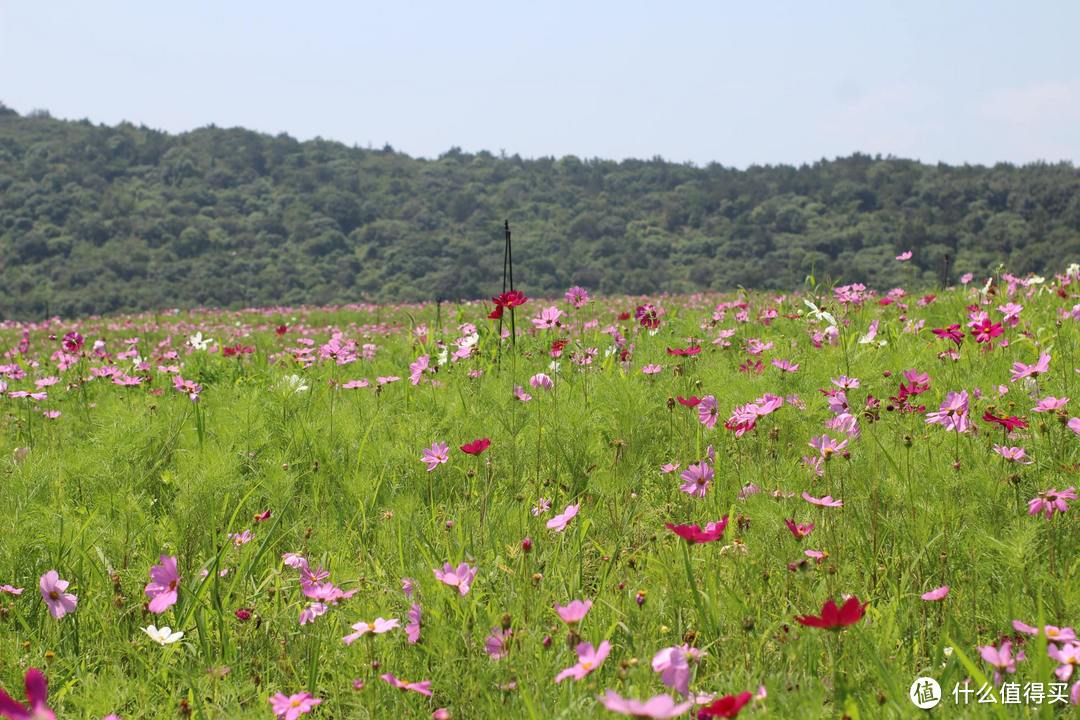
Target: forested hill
(95, 218)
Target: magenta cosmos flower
(423, 687)
(37, 693)
(696, 479)
(290, 707)
(826, 501)
(574, 612)
(53, 592)
(577, 296)
(460, 577)
(435, 455)
(1051, 501)
(560, 521)
(658, 707)
(696, 534)
(162, 588)
(589, 659)
(380, 626)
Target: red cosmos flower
(952, 332)
(1010, 423)
(834, 618)
(557, 347)
(689, 402)
(985, 331)
(238, 349)
(695, 534)
(725, 707)
(799, 530)
(685, 352)
(476, 446)
(885, 301)
(508, 299)
(624, 316)
(282, 329)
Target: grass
(126, 474)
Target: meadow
(643, 506)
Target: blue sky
(735, 83)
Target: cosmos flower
(1051, 501)
(476, 447)
(290, 707)
(435, 455)
(163, 586)
(834, 618)
(378, 627)
(1021, 371)
(658, 707)
(53, 589)
(799, 530)
(826, 501)
(423, 687)
(574, 612)
(728, 706)
(936, 594)
(560, 521)
(589, 658)
(696, 479)
(163, 635)
(497, 643)
(696, 534)
(460, 577)
(37, 693)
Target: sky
(738, 83)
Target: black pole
(945, 273)
(510, 262)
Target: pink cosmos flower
(52, 591)
(589, 659)
(417, 369)
(696, 479)
(312, 611)
(574, 612)
(521, 395)
(577, 296)
(799, 530)
(651, 369)
(673, 664)
(412, 630)
(1000, 658)
(845, 383)
(708, 411)
(936, 594)
(423, 687)
(1051, 501)
(826, 501)
(435, 455)
(785, 365)
(460, 577)
(659, 707)
(953, 413)
(497, 644)
(904, 256)
(548, 318)
(1013, 454)
(540, 380)
(1021, 371)
(1050, 404)
(1069, 657)
(1074, 425)
(827, 446)
(11, 590)
(560, 521)
(163, 585)
(37, 693)
(290, 707)
(378, 627)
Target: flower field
(704, 506)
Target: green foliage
(96, 218)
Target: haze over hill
(96, 218)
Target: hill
(96, 219)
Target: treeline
(96, 218)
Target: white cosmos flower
(294, 384)
(198, 342)
(163, 636)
